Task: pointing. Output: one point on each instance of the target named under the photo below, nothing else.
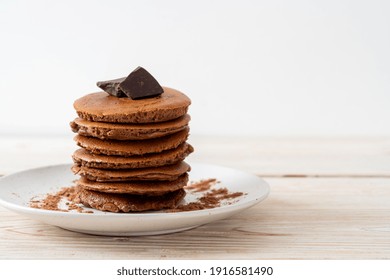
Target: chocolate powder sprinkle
(208, 200)
(51, 201)
(202, 185)
(211, 198)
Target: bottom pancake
(130, 203)
(151, 188)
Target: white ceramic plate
(18, 189)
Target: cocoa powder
(202, 185)
(52, 201)
(211, 198)
(208, 200)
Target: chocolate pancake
(148, 188)
(118, 131)
(102, 107)
(164, 173)
(84, 158)
(132, 147)
(130, 203)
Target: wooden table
(330, 199)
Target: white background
(282, 269)
(250, 67)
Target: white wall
(250, 67)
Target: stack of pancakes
(132, 151)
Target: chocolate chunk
(140, 84)
(112, 87)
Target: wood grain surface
(330, 199)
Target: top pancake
(102, 107)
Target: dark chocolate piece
(112, 87)
(140, 84)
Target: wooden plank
(332, 157)
(297, 157)
(304, 218)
